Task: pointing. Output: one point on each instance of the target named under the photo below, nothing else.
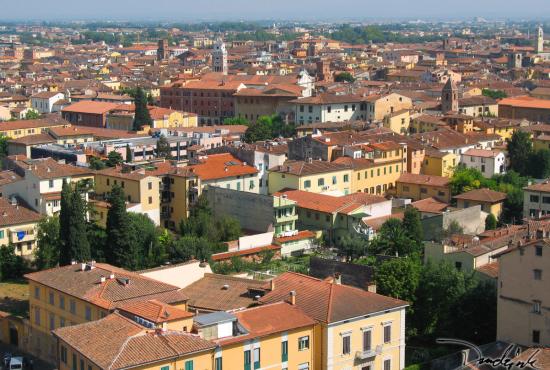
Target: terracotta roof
(328, 302)
(482, 195)
(155, 311)
(116, 342)
(16, 214)
(490, 269)
(45, 95)
(430, 205)
(8, 177)
(543, 186)
(345, 204)
(219, 166)
(541, 355)
(90, 107)
(87, 285)
(377, 222)
(33, 139)
(48, 168)
(269, 319)
(329, 99)
(32, 123)
(209, 293)
(301, 235)
(410, 178)
(482, 153)
(526, 102)
(243, 252)
(305, 168)
(70, 131)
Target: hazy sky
(268, 9)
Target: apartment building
(18, 227)
(313, 176)
(88, 113)
(490, 201)
(488, 162)
(329, 108)
(44, 102)
(355, 328)
(536, 200)
(140, 188)
(22, 128)
(417, 187)
(523, 295)
(38, 182)
(82, 293)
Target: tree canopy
(142, 116)
(344, 77)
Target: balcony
(363, 355)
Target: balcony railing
(363, 355)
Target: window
(150, 200)
(387, 333)
(307, 184)
(536, 336)
(238, 186)
(321, 182)
(61, 322)
(334, 180)
(367, 340)
(329, 109)
(247, 360)
(387, 364)
(1, 234)
(346, 345)
(37, 316)
(458, 265)
(345, 108)
(218, 363)
(346, 178)
(50, 183)
(546, 200)
(61, 302)
(51, 298)
(74, 363)
(538, 251)
(534, 198)
(303, 343)
(88, 313)
(52, 321)
(37, 292)
(537, 274)
(150, 185)
(423, 190)
(256, 358)
(284, 351)
(63, 354)
(81, 364)
(189, 365)
(72, 306)
(536, 306)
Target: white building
(536, 200)
(488, 162)
(44, 102)
(329, 108)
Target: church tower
(219, 57)
(449, 97)
(162, 50)
(540, 41)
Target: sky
(307, 10)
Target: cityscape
(282, 186)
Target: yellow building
(356, 328)
(313, 176)
(438, 163)
(490, 201)
(81, 293)
(140, 188)
(426, 123)
(417, 187)
(169, 118)
(18, 227)
(22, 128)
(398, 121)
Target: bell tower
(540, 40)
(449, 97)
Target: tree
(142, 116)
(236, 121)
(163, 148)
(399, 278)
(440, 289)
(76, 240)
(118, 230)
(519, 151)
(32, 114)
(538, 164)
(65, 224)
(96, 163)
(129, 154)
(495, 94)
(143, 244)
(512, 210)
(353, 247)
(344, 77)
(392, 239)
(465, 179)
(490, 222)
(48, 243)
(413, 225)
(114, 159)
(4, 145)
(257, 132)
(11, 265)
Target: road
(38, 364)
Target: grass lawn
(14, 297)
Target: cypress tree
(77, 241)
(118, 230)
(142, 116)
(64, 224)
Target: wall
(469, 219)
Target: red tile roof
(328, 302)
(482, 195)
(410, 178)
(90, 107)
(219, 166)
(155, 311)
(526, 102)
(326, 203)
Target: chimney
(82, 267)
(293, 297)
(272, 285)
(112, 276)
(337, 278)
(102, 279)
